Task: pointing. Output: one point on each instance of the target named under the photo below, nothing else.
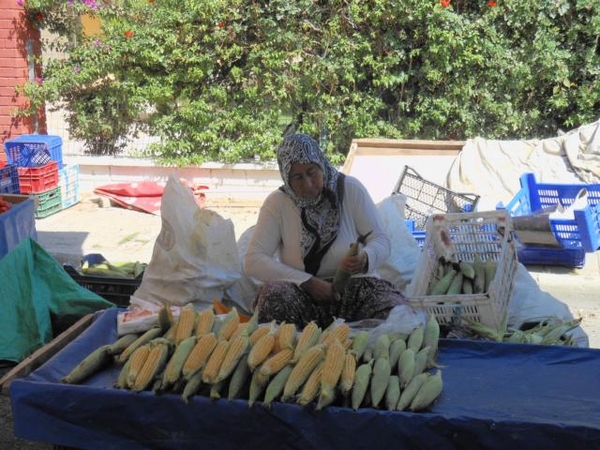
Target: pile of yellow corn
(201, 353)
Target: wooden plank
(43, 354)
(378, 163)
(409, 143)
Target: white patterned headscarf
(321, 215)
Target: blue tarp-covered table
(495, 396)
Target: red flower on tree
(39, 17)
(128, 34)
(491, 3)
(445, 3)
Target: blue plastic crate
(582, 232)
(34, 150)
(570, 257)
(9, 179)
(69, 185)
(419, 235)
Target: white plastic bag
(195, 256)
(400, 266)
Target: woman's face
(306, 180)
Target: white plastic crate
(488, 234)
(69, 185)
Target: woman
(302, 235)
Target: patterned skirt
(362, 298)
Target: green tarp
(34, 292)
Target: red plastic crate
(33, 180)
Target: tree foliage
(219, 80)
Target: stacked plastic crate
(577, 233)
(38, 159)
(9, 179)
(424, 198)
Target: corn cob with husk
(154, 364)
(90, 365)
(428, 392)
(308, 337)
(332, 370)
(341, 277)
(302, 370)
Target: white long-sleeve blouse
(274, 252)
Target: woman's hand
(355, 264)
(320, 290)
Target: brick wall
(16, 35)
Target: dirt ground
(124, 235)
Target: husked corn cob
(332, 370)
(154, 364)
(380, 379)
(339, 332)
(122, 343)
(92, 363)
(348, 373)
(176, 362)
(199, 355)
(241, 328)
(381, 346)
(228, 324)
(308, 337)
(238, 379)
(406, 367)
(258, 333)
(362, 380)
(146, 337)
(205, 322)
(138, 358)
(310, 389)
(276, 385)
(286, 335)
(211, 369)
(408, 393)
(186, 323)
(428, 392)
(302, 370)
(392, 393)
(347, 344)
(260, 351)
(238, 347)
(359, 343)
(276, 362)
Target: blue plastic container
(34, 150)
(9, 179)
(18, 223)
(582, 232)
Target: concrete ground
(94, 226)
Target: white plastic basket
(488, 234)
